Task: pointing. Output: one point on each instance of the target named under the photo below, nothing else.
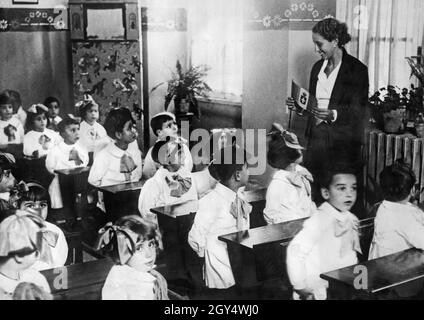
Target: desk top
(268, 234)
(177, 210)
(80, 275)
(129, 186)
(72, 172)
(385, 272)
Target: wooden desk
(123, 187)
(175, 222)
(255, 254)
(122, 199)
(383, 273)
(85, 280)
(259, 254)
(74, 187)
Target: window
(215, 30)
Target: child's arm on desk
(97, 171)
(203, 223)
(148, 199)
(51, 161)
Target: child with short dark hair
(7, 184)
(329, 239)
(398, 225)
(133, 244)
(223, 210)
(118, 162)
(11, 129)
(53, 104)
(164, 125)
(68, 154)
(39, 140)
(20, 247)
(36, 200)
(18, 111)
(93, 135)
(289, 193)
(171, 184)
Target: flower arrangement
(186, 85)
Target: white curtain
(215, 28)
(384, 33)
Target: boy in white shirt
(398, 225)
(329, 239)
(68, 154)
(289, 194)
(171, 184)
(164, 125)
(11, 129)
(119, 162)
(223, 210)
(54, 109)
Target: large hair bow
(289, 138)
(118, 239)
(178, 185)
(35, 107)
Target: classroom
(211, 150)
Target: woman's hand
(323, 114)
(294, 106)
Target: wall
(37, 64)
(165, 47)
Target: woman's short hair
(396, 181)
(331, 29)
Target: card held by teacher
(302, 97)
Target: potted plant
(417, 93)
(184, 86)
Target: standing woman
(340, 83)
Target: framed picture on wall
(25, 2)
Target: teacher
(340, 83)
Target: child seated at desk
(35, 199)
(171, 184)
(21, 245)
(120, 161)
(11, 129)
(39, 140)
(93, 135)
(53, 105)
(7, 184)
(68, 154)
(222, 211)
(398, 225)
(133, 244)
(164, 125)
(18, 112)
(289, 193)
(329, 239)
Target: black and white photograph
(224, 151)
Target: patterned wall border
(164, 19)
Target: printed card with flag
(302, 97)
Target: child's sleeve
(149, 168)
(299, 250)
(148, 199)
(51, 160)
(188, 163)
(61, 249)
(83, 155)
(29, 145)
(281, 203)
(97, 171)
(113, 288)
(21, 132)
(103, 139)
(203, 221)
(412, 229)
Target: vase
(394, 121)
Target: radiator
(383, 150)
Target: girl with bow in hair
(11, 129)
(23, 240)
(222, 211)
(133, 244)
(93, 135)
(171, 184)
(289, 193)
(329, 239)
(39, 140)
(34, 198)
